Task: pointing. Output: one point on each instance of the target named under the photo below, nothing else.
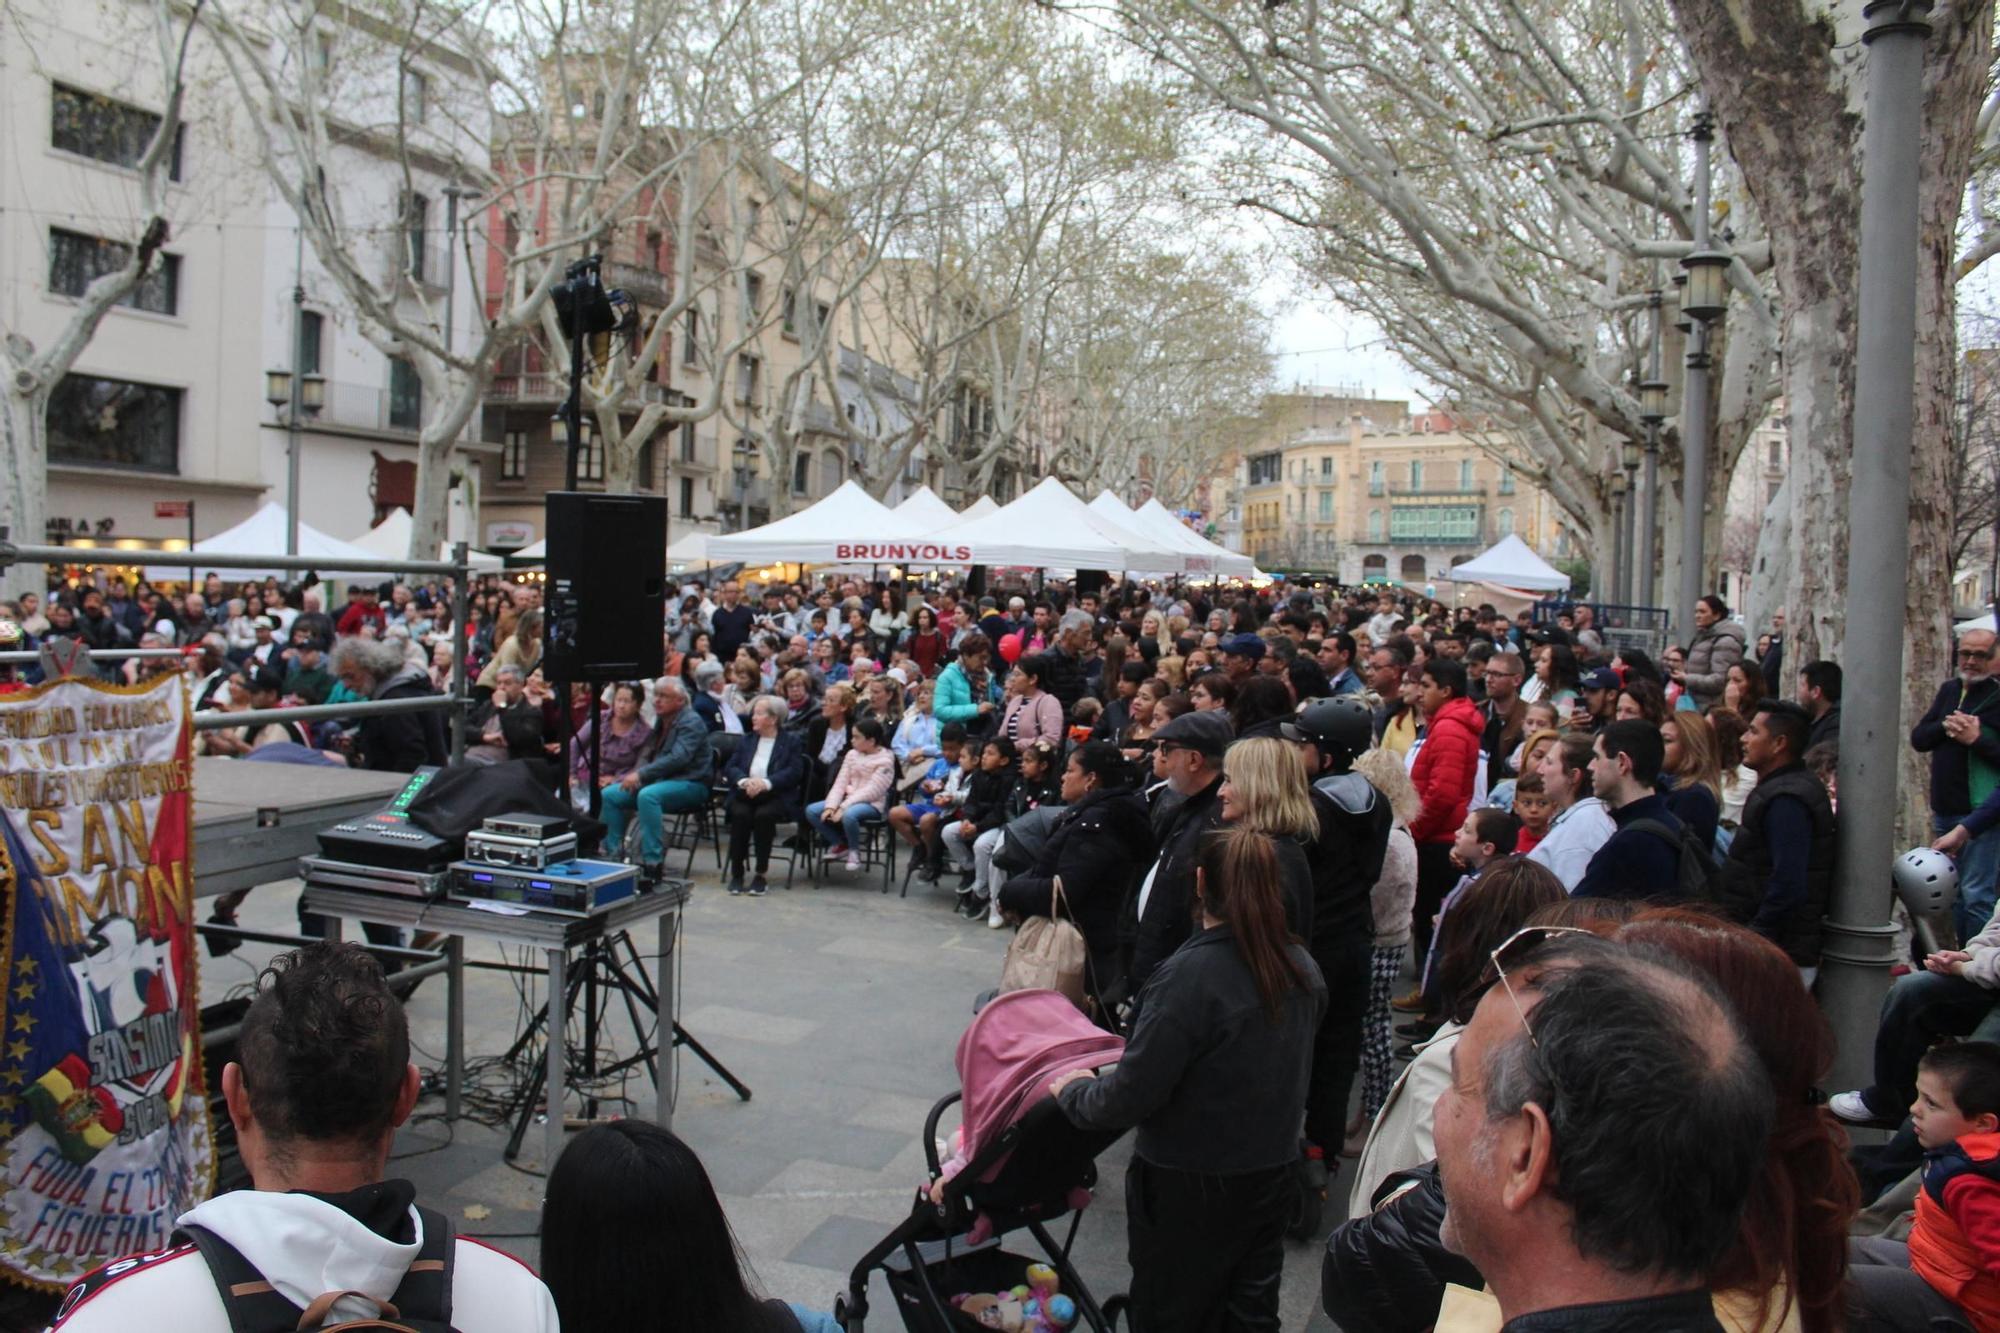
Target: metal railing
(453, 705)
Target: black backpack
(1696, 874)
(421, 1304)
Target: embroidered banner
(104, 1129)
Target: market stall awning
(1050, 528)
(263, 533)
(1152, 519)
(924, 508)
(390, 540)
(849, 526)
(1510, 563)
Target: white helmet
(1926, 880)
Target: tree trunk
(433, 497)
(24, 502)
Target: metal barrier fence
(453, 705)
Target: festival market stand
(262, 532)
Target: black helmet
(1342, 727)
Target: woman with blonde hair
(1694, 765)
(1394, 894)
(1266, 789)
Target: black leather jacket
(1385, 1273)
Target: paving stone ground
(840, 1006)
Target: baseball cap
(1603, 678)
(263, 622)
(1209, 732)
(1244, 645)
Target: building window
(687, 442)
(312, 333)
(1465, 474)
(416, 216)
(107, 130)
(1375, 477)
(643, 476)
(747, 367)
(590, 458)
(690, 337)
(1266, 468)
(822, 315)
(416, 93)
(1416, 474)
(323, 51)
(1325, 505)
(1503, 523)
(753, 297)
(114, 423)
(789, 302)
(687, 497)
(76, 261)
(801, 472)
(1374, 525)
(1326, 467)
(1506, 479)
(1777, 462)
(1435, 523)
(406, 396)
(514, 456)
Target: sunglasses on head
(1514, 951)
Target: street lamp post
(297, 397)
(1705, 301)
(1619, 518)
(1628, 459)
(1652, 411)
(745, 454)
(1859, 940)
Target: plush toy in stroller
(1018, 1166)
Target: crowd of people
(1280, 820)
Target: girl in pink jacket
(860, 791)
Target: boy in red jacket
(1949, 1273)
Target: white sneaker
(853, 862)
(993, 918)
(1851, 1107)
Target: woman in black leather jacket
(1099, 844)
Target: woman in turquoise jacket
(966, 691)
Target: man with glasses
(1961, 734)
(1570, 1213)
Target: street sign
(173, 508)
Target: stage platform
(252, 821)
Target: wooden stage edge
(253, 821)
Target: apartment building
(168, 401)
(1359, 489)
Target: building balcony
(643, 285)
(369, 407)
(528, 390)
(693, 455)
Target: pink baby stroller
(1021, 1166)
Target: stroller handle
(930, 1131)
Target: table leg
(667, 1084)
(558, 1013)
(454, 1031)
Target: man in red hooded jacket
(1447, 762)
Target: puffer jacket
(1709, 657)
(1385, 1272)
(1445, 770)
(1099, 846)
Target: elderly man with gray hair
(674, 779)
(1066, 679)
(392, 742)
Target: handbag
(1048, 953)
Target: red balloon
(1010, 648)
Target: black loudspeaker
(607, 591)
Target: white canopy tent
(690, 548)
(1510, 563)
(390, 540)
(981, 507)
(263, 533)
(1050, 528)
(923, 507)
(849, 526)
(1153, 520)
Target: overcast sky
(1320, 344)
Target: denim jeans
(1920, 1008)
(849, 831)
(652, 801)
(1978, 877)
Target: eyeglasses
(1515, 946)
(1975, 654)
